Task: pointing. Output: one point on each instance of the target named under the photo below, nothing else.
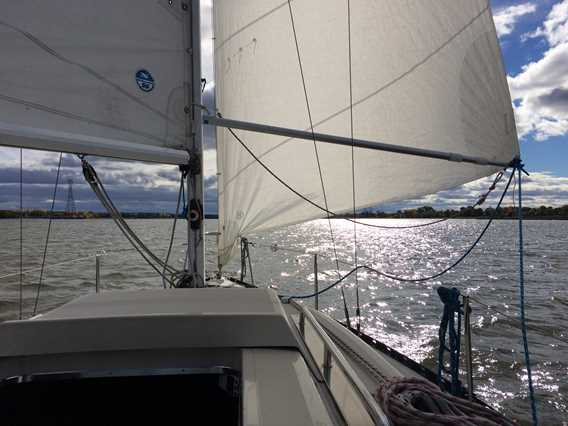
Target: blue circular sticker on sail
(144, 80)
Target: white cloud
(207, 39)
(506, 19)
(555, 28)
(134, 186)
(540, 90)
(539, 189)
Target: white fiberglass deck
(153, 319)
(245, 334)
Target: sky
(534, 40)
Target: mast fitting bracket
(193, 166)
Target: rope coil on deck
(417, 402)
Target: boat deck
(246, 337)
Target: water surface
(402, 315)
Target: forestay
(425, 74)
(107, 77)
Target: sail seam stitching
(250, 24)
(43, 46)
(386, 275)
(76, 117)
(366, 98)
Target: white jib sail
(425, 74)
(105, 77)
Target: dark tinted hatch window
(199, 399)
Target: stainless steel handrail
(373, 409)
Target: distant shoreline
(38, 214)
(425, 212)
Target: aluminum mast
(195, 248)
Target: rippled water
(403, 315)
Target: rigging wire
(316, 151)
(27, 271)
(132, 242)
(479, 202)
(101, 252)
(312, 129)
(276, 247)
(21, 237)
(133, 239)
(378, 90)
(166, 260)
(514, 191)
(404, 279)
(329, 287)
(291, 189)
(98, 188)
(419, 225)
(358, 306)
(48, 233)
(519, 170)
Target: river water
(403, 315)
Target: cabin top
(153, 319)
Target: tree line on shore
(425, 212)
(39, 214)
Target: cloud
(540, 90)
(135, 186)
(207, 39)
(555, 27)
(539, 189)
(506, 19)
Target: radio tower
(70, 208)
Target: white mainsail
(426, 74)
(106, 77)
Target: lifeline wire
(52, 265)
(519, 170)
(396, 278)
(48, 233)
